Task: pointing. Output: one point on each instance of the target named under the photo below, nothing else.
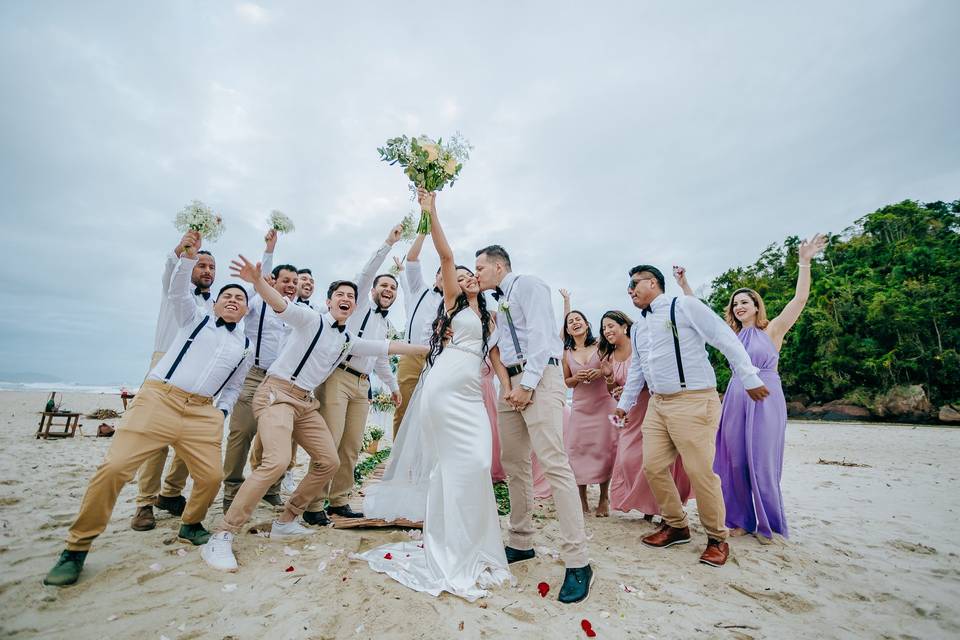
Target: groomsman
(266, 332)
(183, 403)
(345, 395)
(670, 357)
(530, 416)
(421, 303)
(305, 286)
(151, 472)
(285, 408)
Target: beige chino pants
(242, 430)
(408, 375)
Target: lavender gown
(750, 441)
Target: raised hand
(270, 240)
(394, 236)
(397, 261)
(680, 275)
(192, 245)
(810, 248)
(189, 239)
(565, 294)
(245, 270)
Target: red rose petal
(289, 569)
(544, 589)
(588, 628)
(388, 556)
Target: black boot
(344, 512)
(67, 570)
(518, 555)
(174, 505)
(576, 585)
(316, 518)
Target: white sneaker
(218, 552)
(288, 484)
(290, 529)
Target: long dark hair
(443, 321)
(568, 342)
(606, 348)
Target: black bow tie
(198, 292)
(299, 299)
(645, 311)
(223, 323)
(437, 290)
(382, 312)
(497, 293)
(339, 327)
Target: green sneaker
(67, 570)
(195, 534)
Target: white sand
(873, 554)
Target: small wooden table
(48, 420)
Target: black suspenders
(313, 344)
(263, 313)
(414, 315)
(186, 346)
(246, 345)
(363, 326)
(676, 342)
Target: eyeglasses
(633, 283)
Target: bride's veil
(402, 493)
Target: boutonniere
(505, 306)
(345, 348)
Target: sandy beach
(873, 554)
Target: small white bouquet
(430, 165)
(197, 216)
(408, 230)
(280, 222)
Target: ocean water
(63, 387)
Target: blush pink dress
(589, 438)
(628, 485)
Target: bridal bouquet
(197, 216)
(430, 165)
(280, 222)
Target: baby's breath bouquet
(430, 165)
(197, 216)
(280, 222)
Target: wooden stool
(48, 421)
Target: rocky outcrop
(907, 403)
(949, 413)
(839, 411)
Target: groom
(530, 415)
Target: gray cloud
(604, 137)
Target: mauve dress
(589, 438)
(628, 485)
(750, 445)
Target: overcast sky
(628, 132)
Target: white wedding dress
(461, 551)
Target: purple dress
(750, 445)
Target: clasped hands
(519, 398)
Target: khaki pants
(285, 411)
(408, 375)
(256, 457)
(243, 428)
(151, 471)
(684, 423)
(161, 415)
(344, 405)
(540, 428)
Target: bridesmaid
(628, 485)
(590, 439)
(751, 437)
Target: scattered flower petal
(289, 569)
(229, 587)
(544, 589)
(181, 552)
(287, 551)
(112, 617)
(359, 629)
(604, 614)
(322, 567)
(156, 566)
(588, 628)
(388, 556)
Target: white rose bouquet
(279, 222)
(197, 216)
(430, 165)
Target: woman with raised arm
(589, 438)
(462, 551)
(750, 441)
(628, 485)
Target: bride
(445, 447)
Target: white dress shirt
(216, 360)
(654, 360)
(331, 347)
(421, 302)
(266, 331)
(366, 323)
(531, 310)
(167, 326)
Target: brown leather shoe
(143, 519)
(667, 536)
(716, 553)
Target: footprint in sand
(787, 601)
(912, 547)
